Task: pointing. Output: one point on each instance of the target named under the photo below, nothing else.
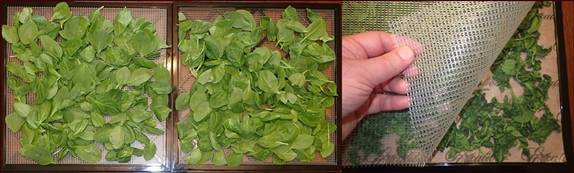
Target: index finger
(367, 45)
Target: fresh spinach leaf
(194, 158)
(37, 153)
(219, 158)
(242, 19)
(99, 38)
(122, 20)
(76, 27)
(117, 137)
(89, 153)
(317, 31)
(182, 101)
(313, 16)
(268, 82)
(10, 34)
(122, 76)
(143, 42)
(149, 151)
(14, 122)
(61, 13)
(139, 76)
(28, 32)
(161, 73)
(234, 159)
(290, 13)
(22, 109)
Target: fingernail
(406, 53)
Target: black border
(336, 167)
(166, 166)
(509, 166)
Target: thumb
(382, 68)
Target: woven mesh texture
(460, 40)
(361, 16)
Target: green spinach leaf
(89, 153)
(139, 76)
(37, 153)
(28, 32)
(10, 34)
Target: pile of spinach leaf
(250, 100)
(498, 125)
(63, 91)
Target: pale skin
(370, 64)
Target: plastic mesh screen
(186, 79)
(360, 16)
(159, 18)
(460, 40)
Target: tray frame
(335, 167)
(166, 166)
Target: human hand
(370, 64)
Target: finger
(349, 124)
(380, 69)
(409, 42)
(367, 44)
(411, 71)
(396, 85)
(383, 102)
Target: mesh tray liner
(158, 17)
(185, 79)
(460, 40)
(361, 16)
